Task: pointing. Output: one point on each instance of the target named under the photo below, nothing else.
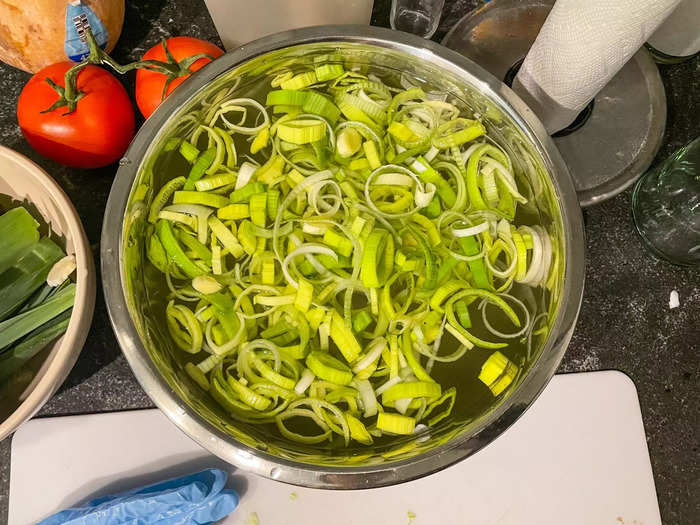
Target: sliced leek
(315, 275)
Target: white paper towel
(581, 46)
(679, 35)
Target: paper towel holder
(624, 128)
(580, 119)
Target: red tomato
(97, 133)
(150, 84)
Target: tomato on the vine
(150, 85)
(97, 133)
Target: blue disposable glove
(197, 499)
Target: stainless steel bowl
(139, 328)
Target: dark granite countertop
(624, 324)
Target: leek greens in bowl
(47, 288)
(342, 259)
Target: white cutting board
(578, 456)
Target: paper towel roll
(679, 35)
(581, 46)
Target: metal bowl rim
(329, 477)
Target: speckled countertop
(624, 324)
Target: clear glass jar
(666, 207)
(420, 17)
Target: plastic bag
(80, 17)
(196, 499)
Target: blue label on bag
(80, 17)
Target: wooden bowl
(23, 182)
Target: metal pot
(147, 345)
